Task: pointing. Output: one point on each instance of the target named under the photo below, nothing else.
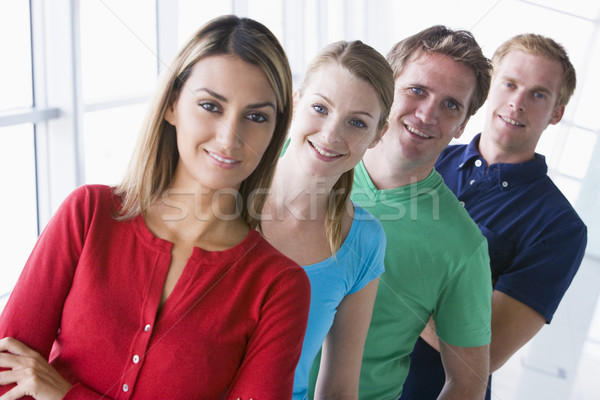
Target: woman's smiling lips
(222, 160)
(323, 153)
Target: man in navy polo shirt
(536, 239)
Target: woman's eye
(258, 117)
(416, 90)
(209, 106)
(357, 123)
(319, 108)
(539, 95)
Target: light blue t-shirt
(357, 262)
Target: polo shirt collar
(508, 174)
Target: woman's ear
(296, 99)
(170, 112)
(170, 115)
(379, 136)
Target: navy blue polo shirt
(535, 238)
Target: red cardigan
(88, 300)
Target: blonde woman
(161, 288)
(340, 110)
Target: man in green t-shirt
(437, 263)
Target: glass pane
(487, 27)
(15, 46)
(568, 186)
(356, 21)
(577, 152)
(587, 368)
(118, 48)
(581, 8)
(336, 21)
(18, 200)
(192, 14)
(548, 145)
(109, 138)
(311, 31)
(585, 107)
(460, 14)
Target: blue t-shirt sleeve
(369, 250)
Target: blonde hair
(368, 65)
(155, 158)
(539, 45)
(459, 45)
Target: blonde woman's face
(224, 117)
(335, 122)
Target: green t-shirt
(436, 262)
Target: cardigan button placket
(141, 345)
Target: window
(109, 138)
(17, 146)
(118, 73)
(192, 14)
(18, 202)
(15, 73)
(77, 76)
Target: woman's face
(224, 117)
(335, 121)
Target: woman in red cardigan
(161, 287)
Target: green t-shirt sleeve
(463, 312)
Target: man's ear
(378, 137)
(461, 128)
(557, 115)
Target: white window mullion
(55, 78)
(293, 36)
(322, 24)
(240, 7)
(167, 41)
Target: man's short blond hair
(539, 45)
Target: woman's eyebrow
(212, 93)
(224, 99)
